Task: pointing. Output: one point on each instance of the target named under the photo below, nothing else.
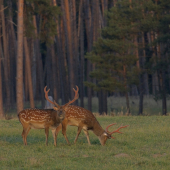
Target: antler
(75, 97)
(109, 126)
(46, 96)
(115, 131)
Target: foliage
(143, 145)
(113, 53)
(46, 14)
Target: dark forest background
(105, 47)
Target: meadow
(144, 145)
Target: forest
(105, 47)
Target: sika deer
(44, 118)
(84, 119)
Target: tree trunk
(12, 53)
(48, 70)
(55, 74)
(100, 98)
(161, 58)
(104, 101)
(19, 83)
(145, 75)
(104, 4)
(28, 72)
(69, 40)
(34, 66)
(141, 78)
(127, 103)
(89, 32)
(25, 77)
(75, 43)
(155, 84)
(81, 40)
(141, 86)
(63, 66)
(40, 77)
(95, 23)
(6, 59)
(141, 94)
(126, 90)
(164, 105)
(1, 98)
(60, 63)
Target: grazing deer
(84, 119)
(44, 118)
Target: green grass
(144, 145)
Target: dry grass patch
(122, 155)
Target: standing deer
(44, 118)
(84, 119)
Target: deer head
(108, 135)
(61, 109)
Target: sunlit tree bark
(1, 98)
(60, 58)
(81, 40)
(6, 59)
(19, 83)
(28, 72)
(12, 55)
(69, 41)
(40, 77)
(74, 42)
(89, 33)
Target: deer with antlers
(84, 119)
(44, 118)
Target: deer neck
(97, 129)
(55, 116)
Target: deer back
(40, 118)
(77, 116)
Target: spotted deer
(84, 119)
(44, 118)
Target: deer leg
(23, 136)
(57, 130)
(46, 134)
(64, 125)
(25, 132)
(87, 135)
(78, 133)
(54, 136)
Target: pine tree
(113, 53)
(161, 49)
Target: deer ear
(55, 108)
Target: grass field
(144, 145)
